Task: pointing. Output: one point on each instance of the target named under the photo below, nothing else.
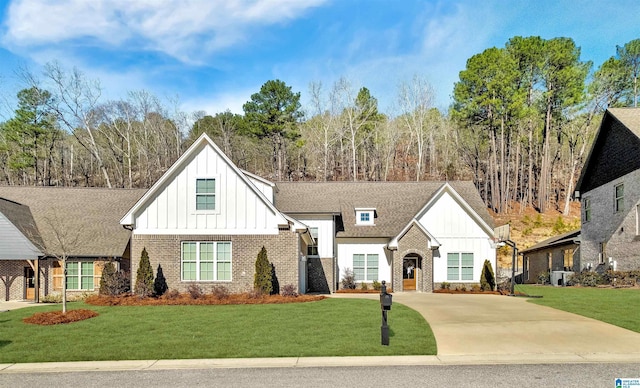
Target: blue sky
(213, 54)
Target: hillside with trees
(520, 125)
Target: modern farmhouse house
(205, 220)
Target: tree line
(521, 121)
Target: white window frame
(459, 266)
(371, 263)
(365, 216)
(198, 261)
(215, 194)
(80, 275)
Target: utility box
(559, 278)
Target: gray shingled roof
(630, 117)
(20, 216)
(396, 203)
(565, 238)
(91, 214)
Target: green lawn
(619, 306)
(331, 327)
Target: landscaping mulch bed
(58, 317)
(360, 291)
(205, 299)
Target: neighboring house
(556, 254)
(609, 191)
(39, 224)
(205, 220)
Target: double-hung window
(312, 249)
(79, 275)
(365, 267)
(586, 202)
(206, 194)
(206, 261)
(459, 266)
(619, 198)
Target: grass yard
(331, 327)
(618, 306)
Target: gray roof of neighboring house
(90, 215)
(396, 203)
(630, 117)
(20, 216)
(568, 238)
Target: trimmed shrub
(263, 277)
(144, 276)
(377, 285)
(544, 278)
(160, 284)
(585, 279)
(113, 282)
(487, 278)
(348, 280)
(364, 286)
(445, 286)
(171, 294)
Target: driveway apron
(502, 325)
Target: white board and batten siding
(239, 208)
(348, 247)
(457, 232)
(326, 233)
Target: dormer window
(365, 216)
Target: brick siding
(165, 250)
(414, 242)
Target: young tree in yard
(160, 284)
(144, 276)
(487, 278)
(262, 279)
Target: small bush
(220, 292)
(348, 280)
(289, 290)
(462, 287)
(113, 282)
(171, 294)
(256, 293)
(476, 288)
(543, 278)
(538, 222)
(585, 279)
(364, 286)
(527, 231)
(621, 278)
(376, 285)
(445, 286)
(194, 291)
(51, 298)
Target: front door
(409, 274)
(29, 284)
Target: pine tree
(144, 276)
(487, 278)
(262, 280)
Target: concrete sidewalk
(12, 305)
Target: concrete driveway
(499, 325)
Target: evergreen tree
(113, 282)
(160, 284)
(487, 278)
(144, 276)
(262, 280)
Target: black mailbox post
(385, 305)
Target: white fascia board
(433, 242)
(225, 232)
(465, 206)
(203, 139)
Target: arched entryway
(411, 272)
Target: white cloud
(179, 28)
